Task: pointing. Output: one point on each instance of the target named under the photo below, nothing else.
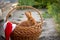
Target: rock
(2, 38)
(1, 16)
(50, 38)
(0, 12)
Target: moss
(46, 15)
(58, 28)
(20, 16)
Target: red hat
(8, 28)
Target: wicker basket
(26, 33)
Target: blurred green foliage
(54, 10)
(36, 3)
(46, 15)
(43, 3)
(26, 2)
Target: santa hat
(8, 28)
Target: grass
(58, 28)
(46, 15)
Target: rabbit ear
(30, 12)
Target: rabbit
(30, 20)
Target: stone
(1, 16)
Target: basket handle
(12, 9)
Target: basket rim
(12, 9)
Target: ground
(49, 31)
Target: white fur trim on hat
(13, 25)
